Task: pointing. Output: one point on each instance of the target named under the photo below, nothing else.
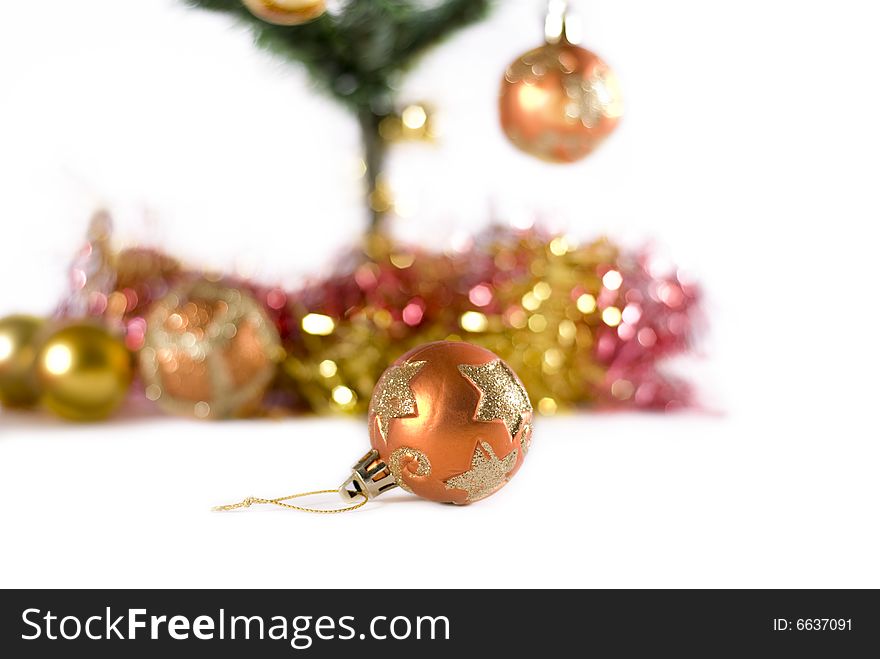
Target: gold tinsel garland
(581, 324)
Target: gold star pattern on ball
(486, 475)
(501, 394)
(393, 398)
(525, 440)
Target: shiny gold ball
(18, 353)
(210, 351)
(286, 12)
(414, 123)
(83, 372)
(559, 102)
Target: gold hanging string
(249, 501)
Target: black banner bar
(412, 623)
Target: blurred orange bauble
(559, 102)
(452, 421)
(286, 12)
(210, 351)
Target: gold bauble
(559, 102)
(17, 355)
(414, 123)
(210, 351)
(286, 12)
(84, 372)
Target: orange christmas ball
(210, 351)
(452, 421)
(286, 12)
(559, 102)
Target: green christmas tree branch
(359, 53)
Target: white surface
(604, 501)
(749, 149)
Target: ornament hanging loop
(250, 501)
(560, 26)
(369, 478)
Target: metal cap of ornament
(370, 477)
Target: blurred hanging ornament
(18, 352)
(210, 351)
(560, 101)
(449, 422)
(286, 12)
(83, 372)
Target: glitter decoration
(502, 396)
(581, 324)
(210, 351)
(400, 461)
(525, 439)
(539, 302)
(93, 271)
(486, 475)
(445, 424)
(393, 398)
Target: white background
(749, 154)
